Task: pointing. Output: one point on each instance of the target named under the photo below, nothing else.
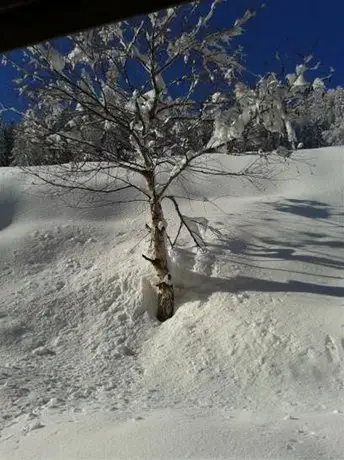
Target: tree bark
(160, 259)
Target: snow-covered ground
(250, 366)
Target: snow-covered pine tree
(6, 143)
(272, 111)
(3, 153)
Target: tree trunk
(160, 259)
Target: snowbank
(258, 330)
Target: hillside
(255, 349)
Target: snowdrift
(259, 325)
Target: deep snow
(250, 366)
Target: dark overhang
(23, 22)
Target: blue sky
(289, 26)
(298, 26)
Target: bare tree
(136, 102)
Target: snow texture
(250, 366)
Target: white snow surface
(251, 365)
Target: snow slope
(250, 366)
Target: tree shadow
(284, 270)
(305, 208)
(8, 209)
(315, 235)
(203, 287)
(200, 286)
(291, 254)
(296, 244)
(256, 284)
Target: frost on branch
(267, 109)
(131, 106)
